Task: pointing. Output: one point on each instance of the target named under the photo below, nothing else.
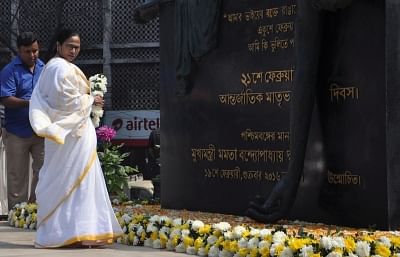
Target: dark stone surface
(359, 135)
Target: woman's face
(69, 50)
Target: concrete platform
(19, 242)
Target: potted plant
(115, 173)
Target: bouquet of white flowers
(98, 86)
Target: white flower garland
(98, 87)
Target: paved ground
(19, 242)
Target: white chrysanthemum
(212, 239)
(115, 201)
(228, 235)
(28, 219)
(338, 242)
(363, 249)
(127, 218)
(140, 230)
(180, 248)
(32, 225)
(135, 241)
(236, 255)
(352, 255)
(175, 232)
(385, 241)
(242, 243)
(265, 232)
(165, 220)
(222, 226)
(225, 253)
(155, 219)
(191, 250)
(197, 224)
(177, 222)
(165, 230)
(287, 252)
(264, 244)
(124, 229)
(396, 255)
(170, 245)
(151, 228)
(214, 251)
(157, 244)
(254, 232)
(306, 251)
(273, 248)
(25, 226)
(185, 232)
(202, 251)
(334, 254)
(326, 242)
(253, 243)
(238, 231)
(148, 242)
(279, 237)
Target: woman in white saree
(74, 208)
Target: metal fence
(134, 47)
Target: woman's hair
(64, 34)
(60, 36)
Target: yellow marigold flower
(233, 246)
(279, 249)
(185, 226)
(254, 252)
(315, 255)
(297, 243)
(382, 250)
(131, 236)
(367, 238)
(188, 241)
(243, 252)
(264, 252)
(246, 234)
(163, 241)
(175, 240)
(350, 244)
(154, 235)
(205, 230)
(338, 250)
(198, 243)
(217, 233)
(268, 238)
(143, 236)
(163, 237)
(395, 240)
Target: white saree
(73, 203)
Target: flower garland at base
(221, 240)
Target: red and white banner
(133, 127)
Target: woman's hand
(98, 101)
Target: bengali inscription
(237, 173)
(274, 76)
(248, 97)
(338, 93)
(272, 136)
(346, 178)
(211, 154)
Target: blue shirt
(17, 80)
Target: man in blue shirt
(17, 82)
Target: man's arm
(8, 90)
(14, 102)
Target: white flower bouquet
(98, 87)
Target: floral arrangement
(98, 86)
(115, 174)
(222, 240)
(23, 215)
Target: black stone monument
(227, 139)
